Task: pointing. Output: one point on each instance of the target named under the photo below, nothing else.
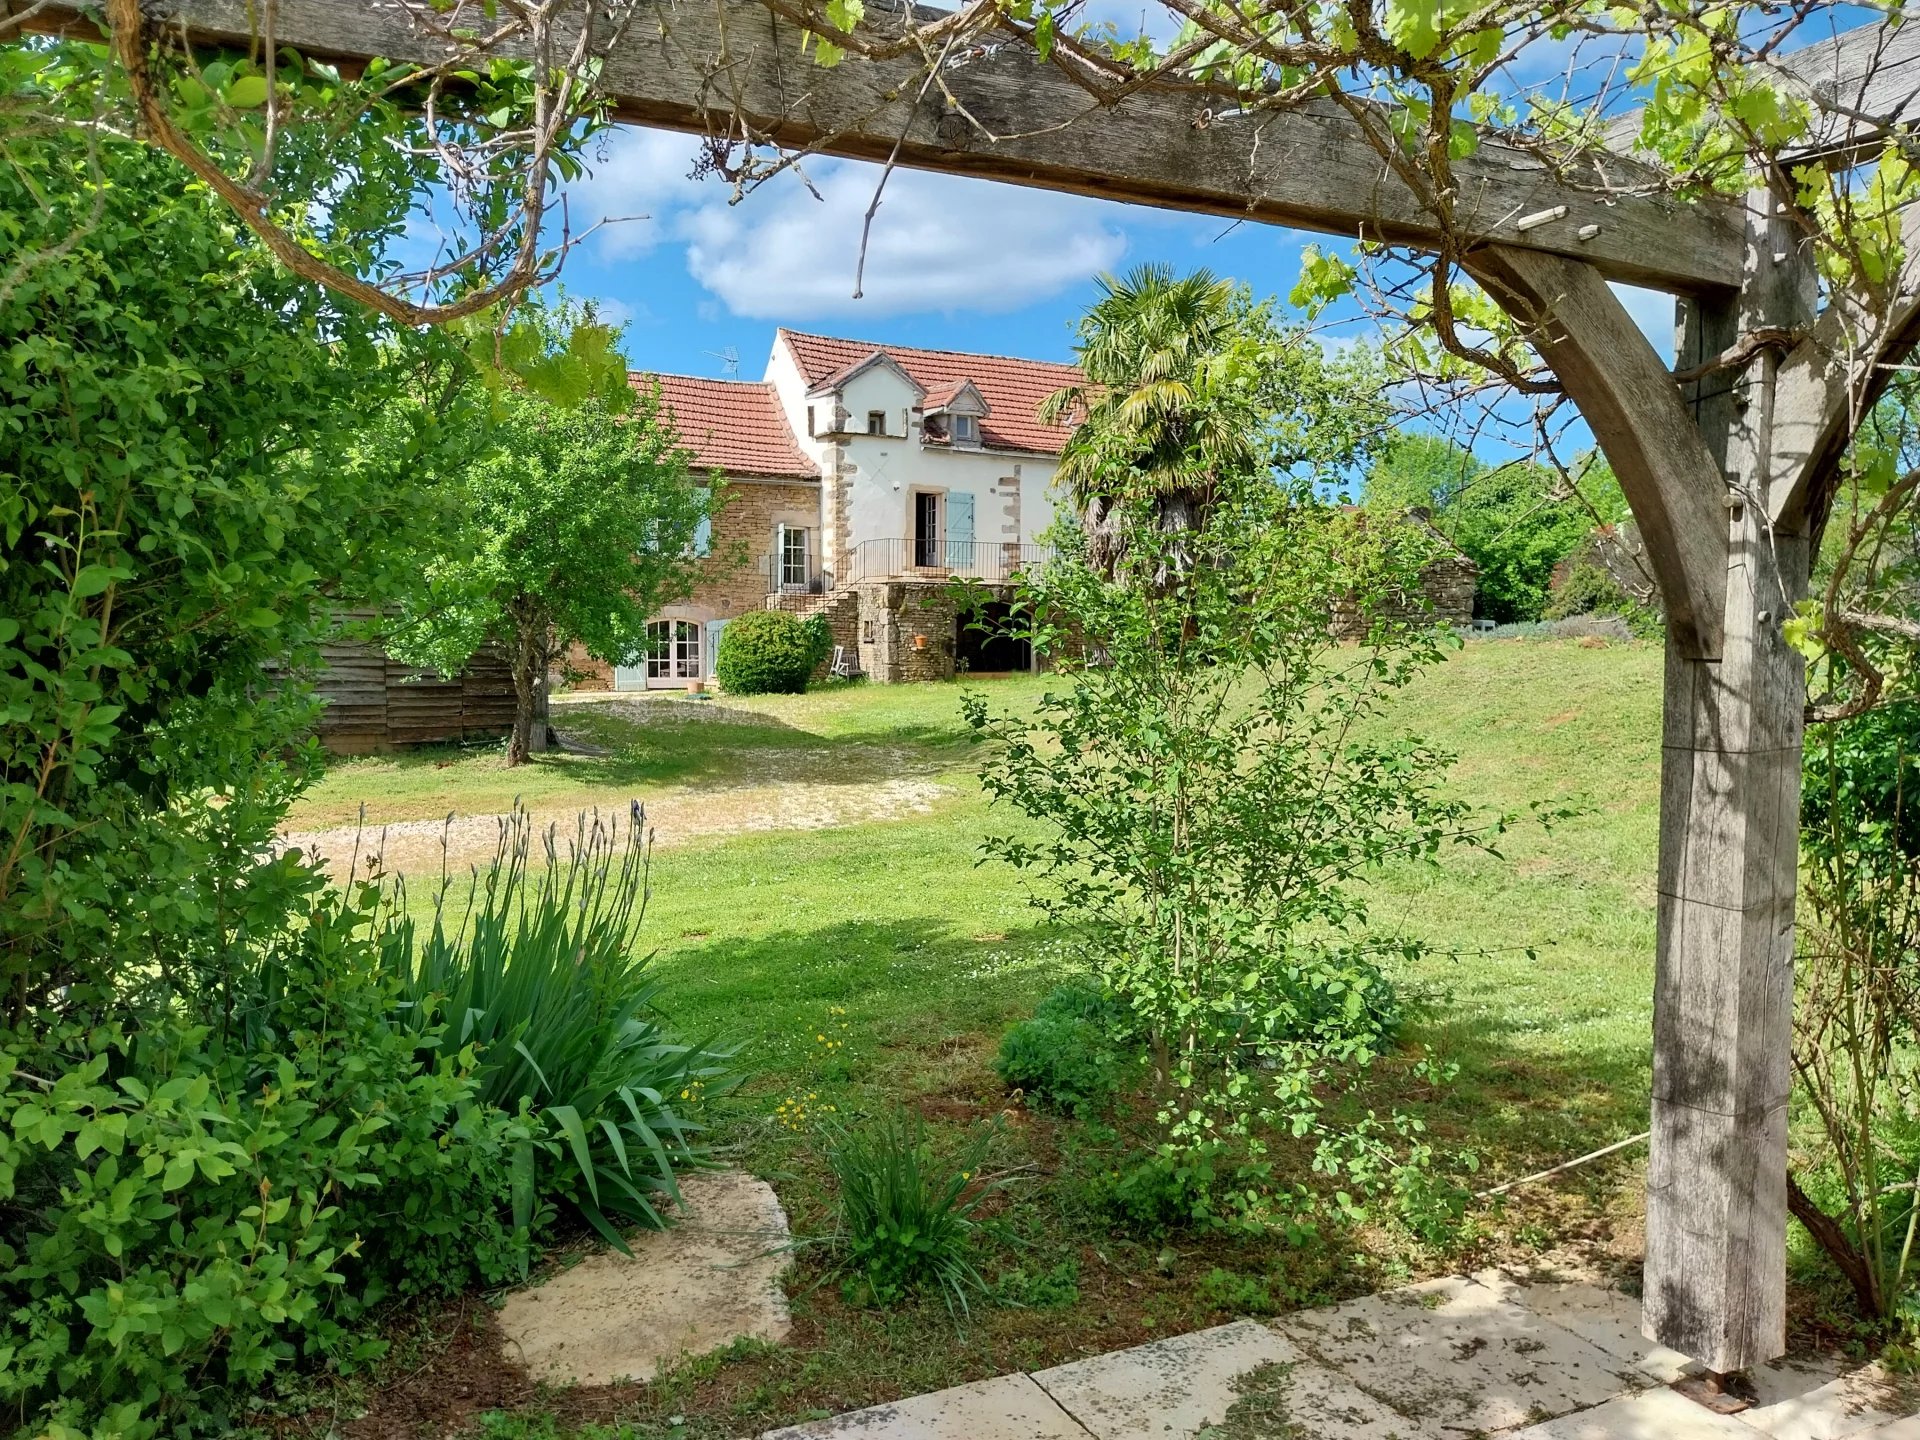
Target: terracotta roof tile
(1012, 388)
(732, 425)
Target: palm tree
(1146, 348)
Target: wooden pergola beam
(695, 64)
(1627, 395)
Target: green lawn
(1545, 1005)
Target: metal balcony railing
(922, 559)
(783, 580)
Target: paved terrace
(1483, 1355)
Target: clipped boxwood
(765, 652)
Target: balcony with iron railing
(992, 562)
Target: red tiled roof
(1013, 389)
(732, 425)
(943, 397)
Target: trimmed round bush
(766, 652)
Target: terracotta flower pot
(696, 687)
(919, 642)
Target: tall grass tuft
(536, 972)
(907, 1221)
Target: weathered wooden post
(1698, 474)
(1729, 853)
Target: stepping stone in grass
(712, 1279)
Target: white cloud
(639, 184)
(789, 250)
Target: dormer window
(966, 430)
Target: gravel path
(415, 846)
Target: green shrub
(1238, 1294)
(538, 976)
(1057, 1288)
(820, 637)
(1066, 1056)
(765, 652)
(906, 1220)
(1857, 1008)
(1168, 1192)
(1207, 824)
(1589, 589)
(184, 1217)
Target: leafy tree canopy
(573, 526)
(206, 459)
(1516, 521)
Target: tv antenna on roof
(729, 359)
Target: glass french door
(673, 653)
(926, 528)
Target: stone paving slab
(1907, 1429)
(1461, 1357)
(1495, 1354)
(1606, 1318)
(1007, 1407)
(711, 1279)
(1653, 1415)
(1175, 1387)
(1814, 1403)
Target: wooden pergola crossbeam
(705, 65)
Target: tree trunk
(530, 645)
(1827, 1233)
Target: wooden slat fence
(374, 703)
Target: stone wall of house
(749, 525)
(737, 572)
(907, 630)
(842, 609)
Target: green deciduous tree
(574, 526)
(1516, 521)
(1207, 809)
(1418, 470)
(204, 458)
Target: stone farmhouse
(862, 478)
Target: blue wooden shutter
(959, 530)
(703, 532)
(714, 627)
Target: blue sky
(963, 264)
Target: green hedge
(767, 652)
